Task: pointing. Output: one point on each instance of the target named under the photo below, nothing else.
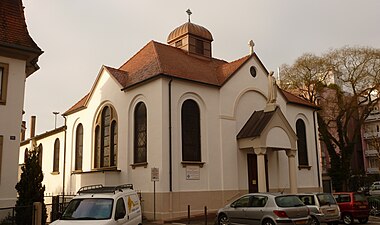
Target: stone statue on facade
(272, 88)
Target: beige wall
(10, 127)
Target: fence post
(205, 215)
(13, 216)
(37, 213)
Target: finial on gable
(251, 44)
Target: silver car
(265, 209)
(323, 208)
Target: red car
(352, 206)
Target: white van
(100, 205)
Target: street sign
(155, 174)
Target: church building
(185, 128)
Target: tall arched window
(140, 134)
(79, 147)
(106, 138)
(301, 143)
(56, 156)
(191, 131)
(40, 151)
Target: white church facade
(206, 130)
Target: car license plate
(330, 211)
(299, 222)
(362, 207)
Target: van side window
(120, 207)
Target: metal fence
(54, 207)
(8, 214)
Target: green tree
(344, 83)
(30, 189)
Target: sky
(78, 37)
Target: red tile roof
(78, 106)
(13, 29)
(159, 59)
(291, 98)
(156, 59)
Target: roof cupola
(193, 38)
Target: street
(372, 220)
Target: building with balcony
(371, 142)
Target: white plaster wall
(53, 181)
(10, 126)
(240, 96)
(106, 91)
(306, 178)
(207, 98)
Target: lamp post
(55, 119)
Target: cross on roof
(189, 13)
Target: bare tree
(344, 83)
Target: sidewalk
(193, 221)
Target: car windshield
(326, 199)
(88, 209)
(288, 201)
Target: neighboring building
(357, 161)
(18, 60)
(371, 142)
(205, 129)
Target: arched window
(40, 150)
(140, 134)
(113, 144)
(106, 139)
(79, 147)
(191, 131)
(56, 156)
(26, 155)
(301, 143)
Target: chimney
(23, 128)
(32, 126)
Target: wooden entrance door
(253, 186)
(253, 182)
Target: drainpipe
(316, 147)
(64, 163)
(170, 137)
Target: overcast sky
(79, 36)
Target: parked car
(374, 189)
(265, 209)
(99, 205)
(352, 206)
(323, 208)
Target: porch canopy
(269, 129)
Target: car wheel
(363, 220)
(314, 221)
(347, 219)
(268, 222)
(223, 220)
